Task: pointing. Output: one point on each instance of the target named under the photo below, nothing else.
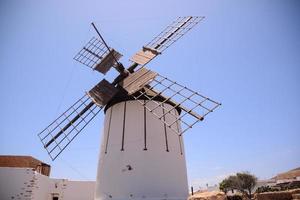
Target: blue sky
(245, 54)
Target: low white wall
(15, 183)
(79, 190)
(23, 183)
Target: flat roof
(20, 161)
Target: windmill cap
(122, 96)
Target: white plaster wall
(156, 173)
(79, 190)
(25, 184)
(42, 187)
(16, 183)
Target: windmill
(142, 153)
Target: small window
(54, 198)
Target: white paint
(25, 183)
(156, 173)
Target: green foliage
(263, 189)
(246, 183)
(224, 186)
(279, 187)
(228, 184)
(289, 186)
(243, 182)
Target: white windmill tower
(142, 153)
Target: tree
(224, 186)
(228, 184)
(246, 183)
(243, 182)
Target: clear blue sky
(245, 54)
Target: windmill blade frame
(97, 56)
(173, 32)
(193, 107)
(62, 131)
(69, 124)
(164, 40)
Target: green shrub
(263, 189)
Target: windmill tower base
(140, 157)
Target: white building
(25, 178)
(289, 176)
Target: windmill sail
(62, 131)
(192, 105)
(97, 56)
(165, 39)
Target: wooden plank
(138, 80)
(102, 93)
(108, 61)
(133, 77)
(143, 56)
